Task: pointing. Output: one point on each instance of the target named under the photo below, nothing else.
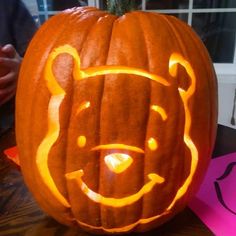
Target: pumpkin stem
(120, 7)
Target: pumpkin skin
(58, 135)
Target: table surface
(20, 215)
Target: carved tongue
(118, 162)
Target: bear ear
(52, 84)
(174, 70)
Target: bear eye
(152, 142)
(81, 140)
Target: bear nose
(118, 162)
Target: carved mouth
(114, 202)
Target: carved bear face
(121, 137)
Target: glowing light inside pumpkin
(114, 202)
(81, 141)
(54, 128)
(118, 162)
(152, 144)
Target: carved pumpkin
(115, 118)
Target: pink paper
(215, 202)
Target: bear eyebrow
(160, 110)
(83, 106)
(156, 108)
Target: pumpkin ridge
(105, 14)
(100, 120)
(144, 20)
(99, 14)
(88, 30)
(35, 98)
(100, 155)
(208, 70)
(152, 85)
(101, 92)
(70, 21)
(145, 40)
(203, 53)
(172, 30)
(71, 18)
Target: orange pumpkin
(115, 118)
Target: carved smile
(114, 202)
